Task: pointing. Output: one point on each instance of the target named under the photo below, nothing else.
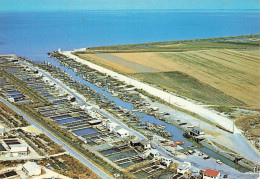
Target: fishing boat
(161, 126)
(206, 157)
(179, 142)
(190, 152)
(219, 162)
(167, 143)
(168, 134)
(192, 146)
(186, 153)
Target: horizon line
(50, 10)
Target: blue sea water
(34, 34)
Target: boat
(179, 142)
(166, 143)
(134, 110)
(192, 146)
(161, 126)
(114, 94)
(174, 145)
(190, 151)
(186, 153)
(219, 162)
(206, 157)
(169, 134)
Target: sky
(53, 5)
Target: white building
(38, 75)
(2, 131)
(166, 161)
(31, 169)
(122, 132)
(209, 174)
(105, 121)
(145, 144)
(11, 99)
(18, 150)
(183, 168)
(45, 79)
(111, 126)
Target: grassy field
(222, 71)
(235, 42)
(188, 86)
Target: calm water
(34, 34)
(60, 117)
(84, 131)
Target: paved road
(71, 151)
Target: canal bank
(146, 117)
(245, 150)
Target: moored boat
(179, 142)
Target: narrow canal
(174, 131)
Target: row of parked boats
(159, 129)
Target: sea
(33, 34)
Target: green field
(235, 42)
(189, 86)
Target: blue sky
(42, 5)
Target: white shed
(122, 132)
(166, 161)
(18, 150)
(31, 169)
(11, 99)
(111, 126)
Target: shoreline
(176, 41)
